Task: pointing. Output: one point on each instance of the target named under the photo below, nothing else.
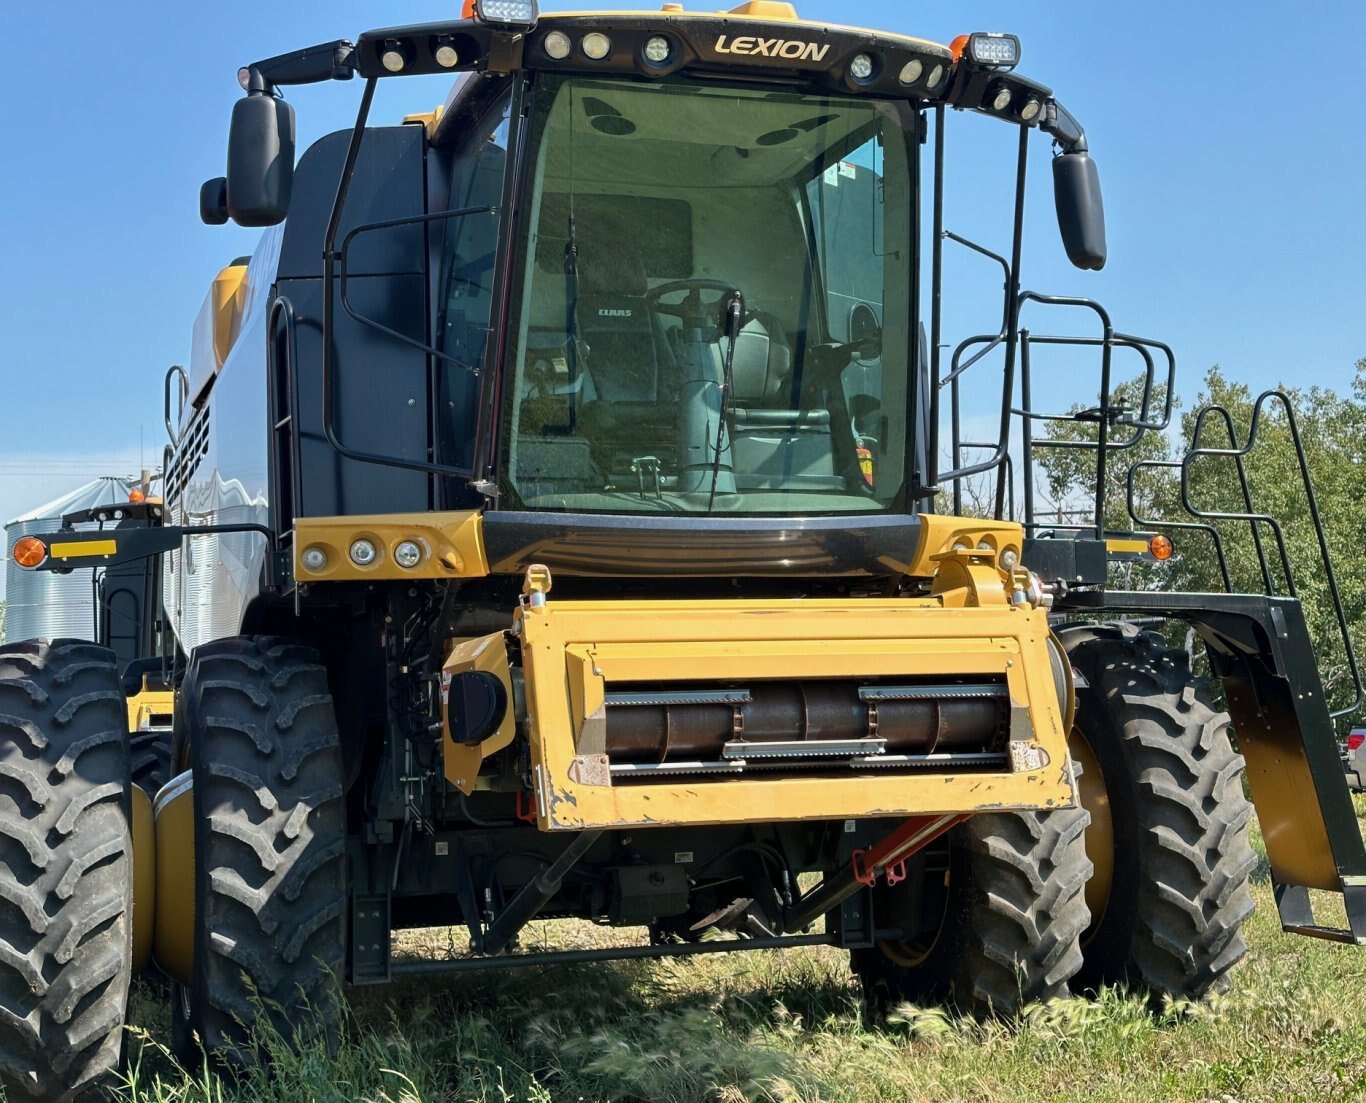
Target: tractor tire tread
(1017, 910)
(1184, 933)
(66, 877)
(274, 860)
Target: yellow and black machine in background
(550, 533)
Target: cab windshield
(652, 210)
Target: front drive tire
(1005, 923)
(1174, 913)
(270, 849)
(66, 869)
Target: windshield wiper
(731, 323)
(571, 311)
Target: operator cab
(677, 269)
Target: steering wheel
(695, 310)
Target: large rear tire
(270, 848)
(66, 869)
(151, 758)
(1004, 919)
(1178, 818)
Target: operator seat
(772, 444)
(630, 374)
(624, 349)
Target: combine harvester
(550, 533)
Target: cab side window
(478, 168)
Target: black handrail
(1302, 461)
(387, 224)
(1187, 526)
(282, 313)
(173, 371)
(1197, 436)
(330, 260)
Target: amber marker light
(1161, 547)
(29, 552)
(136, 495)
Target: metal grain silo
(43, 604)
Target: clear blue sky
(1229, 138)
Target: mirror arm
(1064, 128)
(326, 61)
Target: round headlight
(1030, 111)
(362, 553)
(657, 49)
(861, 68)
(447, 56)
(1001, 99)
(313, 559)
(936, 75)
(910, 72)
(557, 45)
(393, 60)
(597, 45)
(408, 553)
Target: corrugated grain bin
(44, 604)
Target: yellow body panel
(150, 708)
(452, 546)
(227, 296)
(590, 645)
(82, 549)
(1126, 547)
(462, 760)
(766, 9)
(939, 535)
(428, 120)
(144, 879)
(173, 944)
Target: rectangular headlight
(513, 13)
(991, 50)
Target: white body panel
(220, 474)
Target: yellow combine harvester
(551, 533)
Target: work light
(657, 49)
(557, 45)
(990, 50)
(447, 56)
(395, 56)
(596, 45)
(505, 13)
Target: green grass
(781, 1027)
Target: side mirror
(1081, 213)
(865, 332)
(213, 201)
(260, 160)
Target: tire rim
(912, 952)
(1100, 832)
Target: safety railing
(1262, 526)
